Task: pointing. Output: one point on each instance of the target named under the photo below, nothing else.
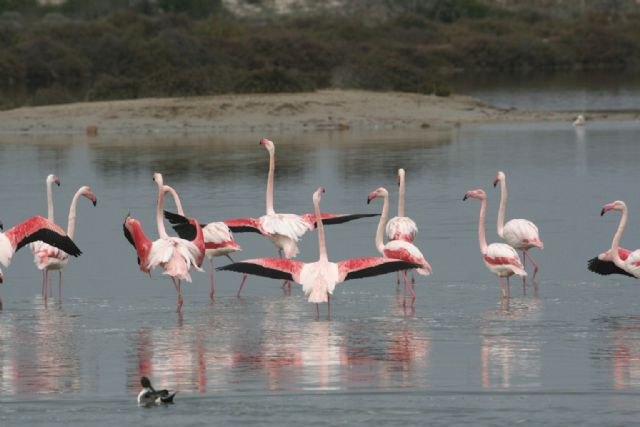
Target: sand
(325, 110)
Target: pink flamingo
(401, 227)
(398, 249)
(319, 279)
(174, 255)
(49, 181)
(48, 257)
(218, 238)
(500, 258)
(520, 234)
(284, 230)
(630, 264)
(31, 230)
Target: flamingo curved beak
(495, 182)
(466, 196)
(57, 181)
(1, 225)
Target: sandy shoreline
(318, 111)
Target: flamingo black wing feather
(256, 270)
(52, 238)
(383, 268)
(605, 268)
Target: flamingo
(319, 279)
(48, 257)
(49, 181)
(630, 263)
(500, 258)
(218, 238)
(283, 229)
(520, 234)
(31, 230)
(398, 249)
(401, 227)
(174, 255)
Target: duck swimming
(149, 396)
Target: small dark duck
(152, 397)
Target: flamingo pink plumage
(398, 249)
(283, 229)
(176, 256)
(500, 258)
(318, 279)
(520, 234)
(49, 181)
(31, 230)
(630, 264)
(48, 257)
(218, 238)
(401, 227)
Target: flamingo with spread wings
(625, 260)
(48, 257)
(319, 279)
(32, 230)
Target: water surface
(568, 355)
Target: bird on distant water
(579, 121)
(149, 396)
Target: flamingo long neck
(615, 243)
(322, 243)
(503, 206)
(272, 168)
(401, 197)
(176, 199)
(162, 232)
(383, 220)
(482, 238)
(50, 216)
(71, 224)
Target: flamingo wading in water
(49, 181)
(31, 230)
(218, 238)
(630, 264)
(283, 229)
(174, 255)
(48, 257)
(520, 234)
(319, 279)
(500, 258)
(398, 249)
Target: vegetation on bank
(120, 49)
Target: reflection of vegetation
(115, 49)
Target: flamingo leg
(502, 290)
(229, 256)
(398, 276)
(406, 285)
(44, 283)
(212, 289)
(535, 264)
(50, 285)
(60, 285)
(244, 278)
(317, 311)
(412, 289)
(328, 305)
(508, 289)
(176, 284)
(286, 284)
(524, 267)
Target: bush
(108, 87)
(271, 80)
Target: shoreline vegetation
(243, 65)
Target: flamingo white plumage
(630, 264)
(49, 181)
(399, 248)
(48, 257)
(579, 121)
(31, 230)
(401, 227)
(218, 238)
(500, 258)
(520, 234)
(319, 279)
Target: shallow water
(568, 355)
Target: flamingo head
(378, 192)
(130, 223)
(475, 194)
(52, 179)
(400, 176)
(157, 178)
(268, 144)
(317, 195)
(88, 193)
(499, 177)
(618, 205)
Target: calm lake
(569, 355)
